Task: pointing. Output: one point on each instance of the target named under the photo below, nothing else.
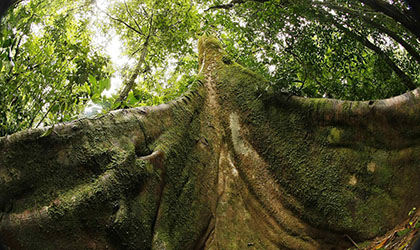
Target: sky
(114, 48)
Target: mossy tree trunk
(227, 166)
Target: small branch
(225, 6)
(303, 83)
(145, 11)
(126, 24)
(414, 9)
(232, 4)
(128, 86)
(135, 52)
(130, 83)
(132, 17)
(34, 117)
(46, 113)
(6, 4)
(352, 241)
(150, 26)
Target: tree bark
(130, 82)
(227, 166)
(5, 5)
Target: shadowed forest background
(293, 124)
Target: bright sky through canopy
(113, 47)
(112, 43)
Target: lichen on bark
(226, 166)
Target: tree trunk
(130, 82)
(227, 166)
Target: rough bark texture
(227, 166)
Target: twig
(352, 241)
(132, 17)
(126, 24)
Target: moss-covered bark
(227, 166)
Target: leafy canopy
(346, 49)
(46, 61)
(160, 36)
(338, 49)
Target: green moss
(335, 136)
(325, 168)
(348, 177)
(184, 211)
(208, 42)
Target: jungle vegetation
(346, 49)
(292, 125)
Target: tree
(5, 5)
(231, 164)
(153, 34)
(225, 166)
(48, 68)
(339, 49)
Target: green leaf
(115, 105)
(7, 43)
(96, 98)
(412, 211)
(131, 99)
(94, 84)
(104, 84)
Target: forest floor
(402, 237)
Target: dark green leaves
(343, 49)
(339, 49)
(46, 61)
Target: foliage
(159, 35)
(315, 49)
(47, 65)
(343, 49)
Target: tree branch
(414, 9)
(225, 6)
(128, 85)
(132, 17)
(305, 69)
(6, 4)
(126, 24)
(410, 49)
(232, 4)
(406, 80)
(406, 20)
